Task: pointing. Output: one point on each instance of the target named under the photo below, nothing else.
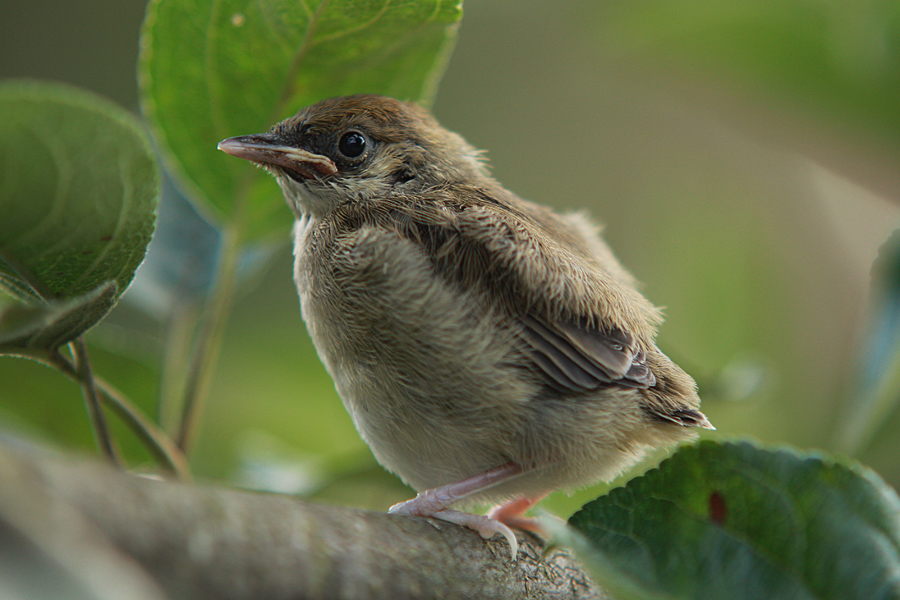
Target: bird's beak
(267, 149)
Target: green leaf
(46, 326)
(211, 69)
(78, 193)
(731, 520)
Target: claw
(485, 526)
(435, 502)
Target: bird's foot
(512, 514)
(485, 526)
(436, 502)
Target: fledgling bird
(487, 348)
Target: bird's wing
(583, 322)
(577, 357)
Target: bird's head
(357, 148)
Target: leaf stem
(85, 377)
(208, 341)
(180, 329)
(156, 441)
(154, 438)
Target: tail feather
(686, 417)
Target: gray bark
(76, 528)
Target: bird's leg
(435, 502)
(512, 513)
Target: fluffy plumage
(466, 328)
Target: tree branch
(210, 542)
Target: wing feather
(579, 358)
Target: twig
(208, 341)
(180, 329)
(154, 438)
(85, 379)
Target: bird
(487, 348)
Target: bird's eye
(352, 144)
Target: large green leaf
(731, 520)
(78, 194)
(210, 69)
(25, 327)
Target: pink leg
(512, 513)
(435, 503)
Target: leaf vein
(291, 75)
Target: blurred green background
(743, 157)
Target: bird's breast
(419, 362)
